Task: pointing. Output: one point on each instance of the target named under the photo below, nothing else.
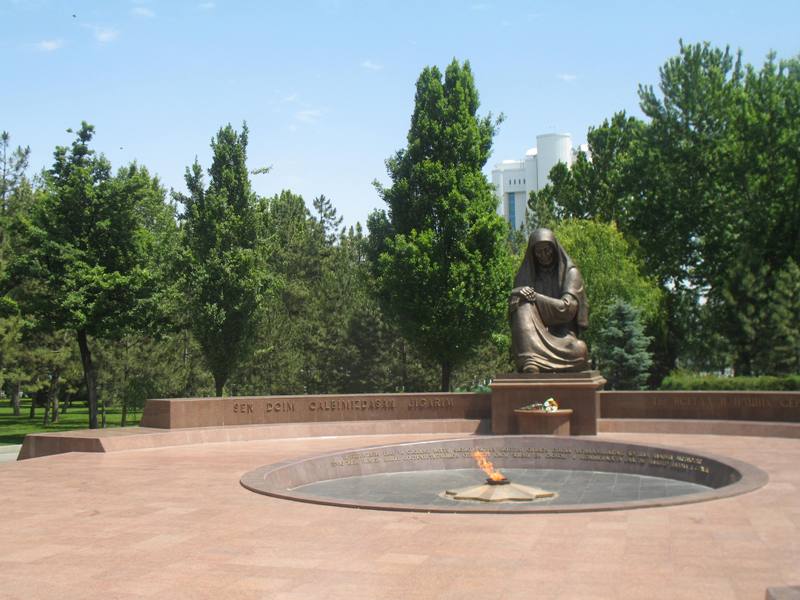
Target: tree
(622, 348)
(142, 365)
(221, 269)
(83, 250)
(13, 185)
(322, 329)
(15, 198)
(611, 271)
(52, 367)
(549, 205)
(706, 189)
(284, 331)
(782, 335)
(541, 211)
(439, 254)
(761, 315)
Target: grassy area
(13, 429)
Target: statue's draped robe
(544, 333)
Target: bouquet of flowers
(549, 405)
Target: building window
(512, 210)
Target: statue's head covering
(569, 277)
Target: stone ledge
(700, 427)
(783, 593)
(37, 445)
(132, 438)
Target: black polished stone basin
(591, 475)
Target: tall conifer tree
(622, 348)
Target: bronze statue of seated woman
(548, 309)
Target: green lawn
(13, 429)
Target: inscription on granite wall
(668, 460)
(733, 405)
(173, 413)
(289, 409)
(349, 404)
(723, 402)
(423, 403)
(345, 405)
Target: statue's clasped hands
(528, 293)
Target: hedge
(693, 381)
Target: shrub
(622, 348)
(680, 380)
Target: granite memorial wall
(723, 405)
(173, 413)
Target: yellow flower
(550, 405)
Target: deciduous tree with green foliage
(611, 271)
(222, 272)
(707, 187)
(439, 253)
(84, 246)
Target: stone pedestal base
(539, 422)
(575, 391)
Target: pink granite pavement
(174, 523)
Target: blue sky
(327, 86)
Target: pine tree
(622, 349)
(784, 318)
(15, 198)
(769, 313)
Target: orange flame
(485, 464)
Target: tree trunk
(124, 419)
(32, 414)
(188, 388)
(742, 364)
(15, 394)
(447, 370)
(89, 377)
(219, 384)
(46, 411)
(52, 398)
(403, 366)
(56, 406)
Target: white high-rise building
(514, 179)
